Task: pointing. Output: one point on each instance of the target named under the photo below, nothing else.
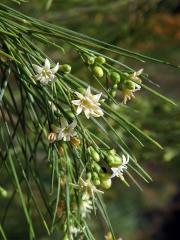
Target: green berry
(104, 176)
(100, 60)
(65, 68)
(94, 154)
(106, 184)
(110, 159)
(98, 72)
(89, 175)
(115, 86)
(96, 167)
(3, 192)
(115, 77)
(96, 182)
(112, 151)
(113, 93)
(129, 85)
(89, 59)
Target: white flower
(86, 205)
(67, 130)
(87, 186)
(45, 74)
(118, 172)
(74, 231)
(88, 103)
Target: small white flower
(86, 205)
(67, 130)
(87, 186)
(74, 231)
(118, 172)
(45, 74)
(88, 103)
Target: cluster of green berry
(97, 173)
(125, 82)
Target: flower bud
(115, 77)
(94, 154)
(114, 87)
(89, 175)
(75, 142)
(113, 93)
(95, 175)
(89, 59)
(116, 161)
(52, 137)
(61, 150)
(129, 85)
(65, 68)
(104, 176)
(96, 167)
(100, 60)
(106, 184)
(96, 182)
(98, 72)
(3, 192)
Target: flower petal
(79, 95)
(88, 91)
(97, 97)
(73, 124)
(79, 110)
(47, 64)
(37, 68)
(87, 113)
(76, 102)
(55, 69)
(63, 122)
(139, 72)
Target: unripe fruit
(89, 59)
(115, 86)
(94, 154)
(110, 159)
(65, 68)
(129, 85)
(106, 184)
(112, 151)
(115, 77)
(100, 60)
(3, 192)
(98, 72)
(95, 176)
(96, 182)
(96, 167)
(113, 93)
(89, 175)
(104, 176)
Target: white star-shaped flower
(74, 231)
(45, 74)
(88, 103)
(87, 186)
(67, 130)
(118, 172)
